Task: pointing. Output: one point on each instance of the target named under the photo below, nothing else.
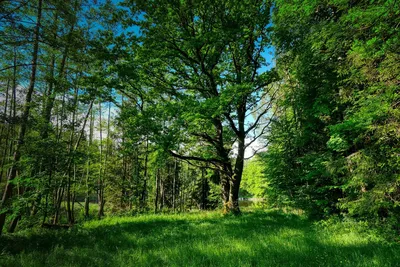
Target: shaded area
(254, 239)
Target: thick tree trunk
(238, 169)
(236, 179)
(24, 119)
(225, 188)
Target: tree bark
(144, 189)
(4, 156)
(239, 163)
(157, 191)
(174, 184)
(100, 196)
(71, 152)
(88, 165)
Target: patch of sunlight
(288, 233)
(205, 224)
(344, 239)
(226, 248)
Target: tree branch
(212, 160)
(232, 123)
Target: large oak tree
(205, 60)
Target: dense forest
(160, 106)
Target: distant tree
(254, 181)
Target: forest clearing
(257, 238)
(199, 132)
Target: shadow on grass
(254, 239)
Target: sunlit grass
(199, 239)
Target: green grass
(200, 239)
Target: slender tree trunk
(58, 201)
(13, 224)
(100, 197)
(72, 149)
(174, 184)
(59, 134)
(59, 191)
(88, 166)
(124, 171)
(182, 189)
(47, 198)
(73, 196)
(157, 191)
(204, 190)
(108, 149)
(13, 111)
(71, 155)
(24, 119)
(50, 97)
(162, 192)
(144, 189)
(87, 193)
(4, 157)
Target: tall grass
(200, 239)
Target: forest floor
(257, 238)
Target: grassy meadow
(257, 238)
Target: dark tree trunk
(103, 177)
(238, 169)
(71, 155)
(13, 224)
(174, 184)
(100, 196)
(144, 189)
(87, 196)
(3, 128)
(157, 191)
(58, 200)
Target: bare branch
(211, 160)
(254, 125)
(255, 151)
(232, 123)
(261, 133)
(206, 137)
(22, 65)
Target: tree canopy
(153, 106)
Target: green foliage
(254, 182)
(335, 145)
